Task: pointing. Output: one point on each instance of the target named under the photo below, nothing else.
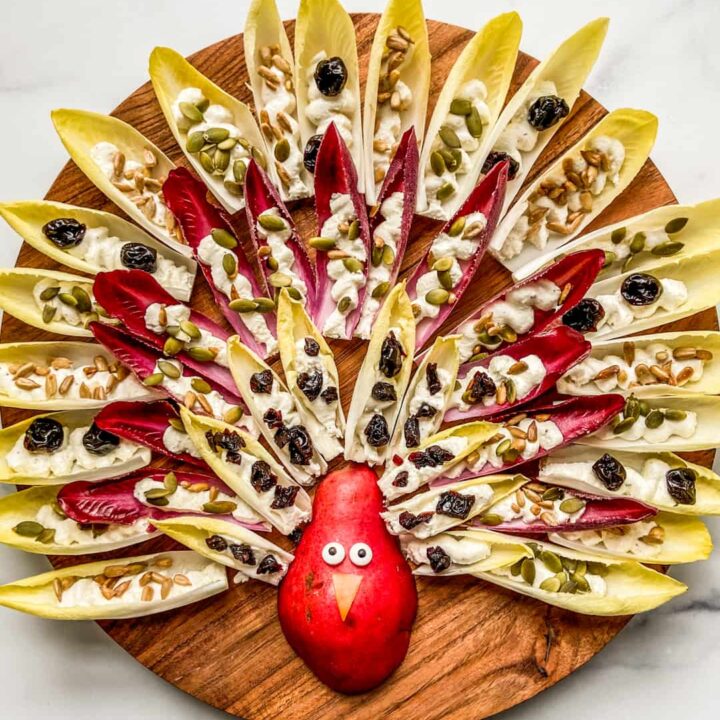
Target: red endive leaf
(186, 196)
(143, 423)
(126, 295)
(487, 198)
(335, 173)
(558, 349)
(260, 196)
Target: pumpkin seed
(48, 313)
(474, 123)
(618, 235)
(200, 354)
(380, 290)
(667, 248)
(172, 347)
(239, 171)
(553, 493)
(437, 163)
(675, 415)
(676, 225)
(228, 144)
(279, 279)
(191, 112)
(503, 447)
(264, 304)
(655, 419)
(46, 536)
(268, 221)
(352, 265)
(84, 303)
(643, 407)
(67, 299)
(195, 142)
(154, 379)
(242, 306)
(376, 255)
(624, 425)
(551, 584)
(200, 385)
(49, 293)
(527, 571)
(190, 329)
(221, 160)
(272, 263)
(449, 137)
(582, 584)
(206, 162)
(282, 150)
(438, 296)
(170, 482)
(229, 263)
(442, 264)
(515, 567)
(445, 191)
(610, 258)
(223, 238)
(445, 279)
(460, 106)
(510, 455)
(321, 243)
(354, 230)
(294, 293)
(169, 369)
(158, 502)
(216, 135)
(220, 507)
(28, 528)
(344, 305)
(632, 408)
(568, 587)
(388, 256)
(259, 157)
(232, 415)
(637, 244)
(491, 519)
(178, 425)
(156, 493)
(572, 505)
(511, 390)
(457, 226)
(551, 561)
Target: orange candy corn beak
(346, 587)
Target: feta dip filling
(644, 538)
(193, 391)
(178, 441)
(446, 552)
(278, 120)
(213, 137)
(276, 254)
(347, 257)
(655, 364)
(251, 560)
(394, 96)
(562, 199)
(654, 482)
(654, 426)
(65, 302)
(431, 513)
(135, 179)
(426, 406)
(237, 288)
(507, 318)
(421, 466)
(62, 378)
(386, 237)
(458, 244)
(454, 150)
(174, 321)
(504, 380)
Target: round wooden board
(476, 649)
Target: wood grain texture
(476, 649)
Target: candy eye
(333, 553)
(360, 554)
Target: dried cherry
(401, 479)
(301, 447)
(409, 521)
(391, 356)
(261, 382)
(439, 559)
(331, 76)
(376, 431)
(284, 496)
(64, 232)
(217, 543)
(609, 472)
(495, 157)
(99, 442)
(311, 384)
(310, 153)
(432, 379)
(641, 289)
(681, 485)
(454, 504)
(481, 385)
(44, 435)
(268, 566)
(312, 347)
(546, 111)
(329, 394)
(383, 391)
(137, 256)
(585, 316)
(412, 432)
(243, 553)
(261, 476)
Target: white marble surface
(661, 55)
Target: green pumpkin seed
(68, 299)
(624, 425)
(84, 303)
(321, 243)
(376, 255)
(200, 385)
(352, 265)
(491, 519)
(265, 304)
(582, 584)
(676, 225)
(457, 226)
(551, 561)
(223, 238)
(438, 296)
(632, 408)
(173, 330)
(474, 123)
(228, 144)
(279, 280)
(221, 160)
(233, 415)
(667, 249)
(172, 347)
(191, 112)
(503, 447)
(655, 419)
(460, 106)
(169, 369)
(581, 568)
(170, 482)
(229, 263)
(437, 163)
(562, 577)
(551, 584)
(294, 293)
(216, 135)
(511, 455)
(57, 509)
(675, 415)
(527, 571)
(553, 493)
(28, 528)
(206, 162)
(154, 379)
(344, 305)
(49, 293)
(569, 587)
(200, 354)
(195, 142)
(220, 507)
(643, 407)
(388, 256)
(282, 150)
(511, 390)
(597, 568)
(449, 137)
(272, 263)
(190, 329)
(618, 235)
(443, 264)
(48, 313)
(572, 505)
(380, 290)
(354, 230)
(515, 567)
(46, 537)
(271, 222)
(637, 244)
(242, 306)
(610, 258)
(445, 191)
(259, 157)
(156, 493)
(239, 171)
(445, 279)
(178, 425)
(536, 549)
(158, 502)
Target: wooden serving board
(476, 649)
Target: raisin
(455, 505)
(210, 437)
(296, 535)
(312, 348)
(376, 431)
(99, 442)
(585, 316)
(217, 543)
(496, 157)
(227, 440)
(391, 356)
(439, 455)
(410, 521)
(641, 289)
(282, 436)
(64, 232)
(432, 379)
(426, 411)
(301, 447)
(681, 485)
(439, 559)
(284, 496)
(329, 394)
(261, 382)
(401, 479)
(383, 391)
(311, 384)
(609, 472)
(262, 477)
(273, 418)
(481, 385)
(44, 435)
(412, 432)
(310, 153)
(546, 111)
(243, 553)
(137, 256)
(331, 76)
(268, 566)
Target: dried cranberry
(426, 411)
(420, 459)
(439, 455)
(329, 394)
(410, 521)
(383, 391)
(401, 479)
(311, 150)
(284, 496)
(268, 566)
(137, 256)
(331, 76)
(391, 356)
(311, 384)
(546, 111)
(301, 447)
(44, 435)
(376, 431)
(641, 289)
(261, 382)
(496, 157)
(262, 477)
(273, 418)
(282, 436)
(412, 432)
(585, 316)
(609, 472)
(217, 543)
(210, 437)
(312, 348)
(64, 232)
(481, 385)
(681, 485)
(243, 553)
(431, 378)
(229, 440)
(455, 505)
(296, 535)
(99, 442)
(439, 559)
